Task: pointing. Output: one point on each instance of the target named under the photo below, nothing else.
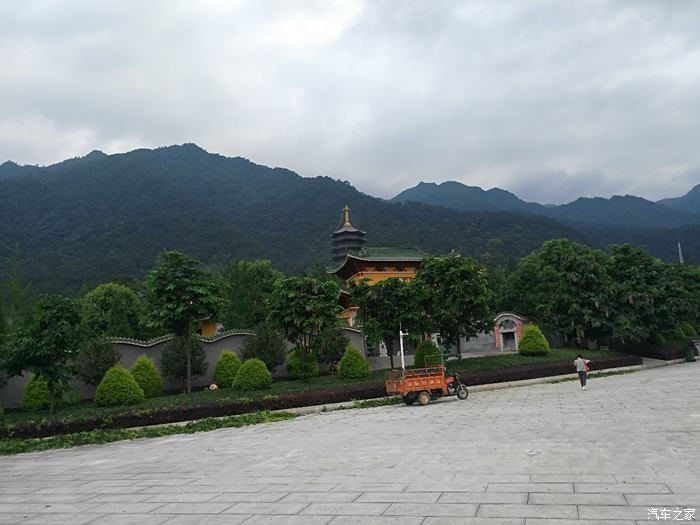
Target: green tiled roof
(370, 253)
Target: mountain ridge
(91, 220)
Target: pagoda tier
(346, 239)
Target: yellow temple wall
(376, 276)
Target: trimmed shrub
(301, 370)
(353, 364)
(147, 376)
(226, 369)
(36, 394)
(118, 387)
(267, 345)
(533, 341)
(427, 354)
(688, 330)
(658, 339)
(253, 375)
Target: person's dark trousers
(582, 378)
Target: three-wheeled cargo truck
(424, 384)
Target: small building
(508, 330)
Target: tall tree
(459, 299)
(180, 294)
(301, 308)
(45, 341)
(112, 310)
(636, 299)
(565, 286)
(247, 286)
(388, 306)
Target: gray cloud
(546, 98)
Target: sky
(549, 99)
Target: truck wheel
(462, 392)
(408, 399)
(423, 398)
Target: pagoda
(346, 239)
(354, 262)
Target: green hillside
(87, 220)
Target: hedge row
(139, 418)
(542, 370)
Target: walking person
(582, 368)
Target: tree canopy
(180, 293)
(458, 299)
(301, 308)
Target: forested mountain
(90, 219)
(618, 210)
(689, 203)
(469, 198)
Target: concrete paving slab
(522, 456)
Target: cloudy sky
(549, 99)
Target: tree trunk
(188, 359)
(459, 347)
(390, 352)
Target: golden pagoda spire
(346, 216)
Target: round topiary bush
(353, 364)
(533, 342)
(299, 369)
(226, 369)
(118, 387)
(253, 375)
(146, 374)
(36, 394)
(427, 354)
(688, 330)
(658, 339)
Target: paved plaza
(546, 454)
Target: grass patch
(97, 437)
(372, 403)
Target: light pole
(401, 335)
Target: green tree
(301, 308)
(636, 299)
(95, 357)
(173, 361)
(180, 294)
(566, 287)
(267, 345)
(45, 341)
(386, 307)
(331, 344)
(247, 286)
(459, 298)
(112, 310)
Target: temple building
(354, 263)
